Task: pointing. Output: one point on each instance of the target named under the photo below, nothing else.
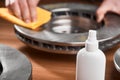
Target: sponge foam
(43, 16)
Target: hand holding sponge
(43, 16)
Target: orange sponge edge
(43, 16)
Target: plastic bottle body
(90, 65)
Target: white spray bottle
(91, 60)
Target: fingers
(28, 10)
(20, 9)
(108, 5)
(23, 9)
(102, 10)
(32, 7)
(13, 6)
(100, 14)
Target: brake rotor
(13, 64)
(68, 29)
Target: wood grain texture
(49, 66)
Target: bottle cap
(91, 43)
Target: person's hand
(23, 9)
(106, 6)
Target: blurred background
(95, 2)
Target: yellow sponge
(43, 16)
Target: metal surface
(66, 32)
(13, 64)
(116, 59)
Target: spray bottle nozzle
(92, 42)
(92, 35)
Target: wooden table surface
(49, 66)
